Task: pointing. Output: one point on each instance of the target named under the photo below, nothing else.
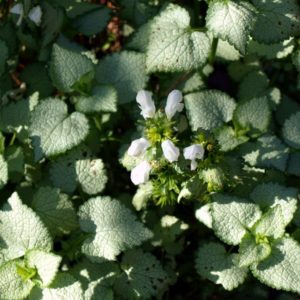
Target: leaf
(43, 85)
(92, 22)
(277, 20)
(53, 131)
(64, 287)
(267, 152)
(213, 263)
(209, 109)
(21, 230)
(137, 11)
(91, 175)
(125, 71)
(68, 67)
(96, 279)
(269, 195)
(56, 210)
(281, 269)
(142, 195)
(272, 51)
(228, 139)
(103, 99)
(46, 265)
(203, 214)
(291, 131)
(253, 115)
(52, 22)
(231, 21)
(79, 167)
(271, 223)
(173, 45)
(15, 162)
(11, 284)
(252, 252)
(294, 164)
(142, 277)
(3, 172)
(101, 215)
(253, 85)
(3, 56)
(232, 217)
(10, 118)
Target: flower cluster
(140, 174)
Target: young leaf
(3, 172)
(291, 131)
(252, 252)
(253, 114)
(173, 45)
(101, 215)
(125, 71)
(21, 230)
(68, 67)
(64, 286)
(215, 264)
(272, 194)
(231, 21)
(46, 265)
(79, 167)
(271, 223)
(209, 109)
(277, 20)
(103, 99)
(55, 209)
(232, 217)
(281, 269)
(143, 276)
(227, 138)
(91, 175)
(12, 286)
(53, 131)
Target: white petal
(174, 104)
(140, 174)
(171, 152)
(17, 9)
(35, 15)
(144, 99)
(193, 152)
(138, 147)
(194, 165)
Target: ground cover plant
(149, 149)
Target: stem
(12, 139)
(213, 51)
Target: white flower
(144, 99)
(35, 14)
(173, 104)
(193, 152)
(140, 174)
(138, 147)
(171, 152)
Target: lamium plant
(149, 149)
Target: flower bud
(144, 99)
(171, 152)
(173, 104)
(192, 153)
(138, 147)
(140, 174)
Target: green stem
(213, 51)
(13, 139)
